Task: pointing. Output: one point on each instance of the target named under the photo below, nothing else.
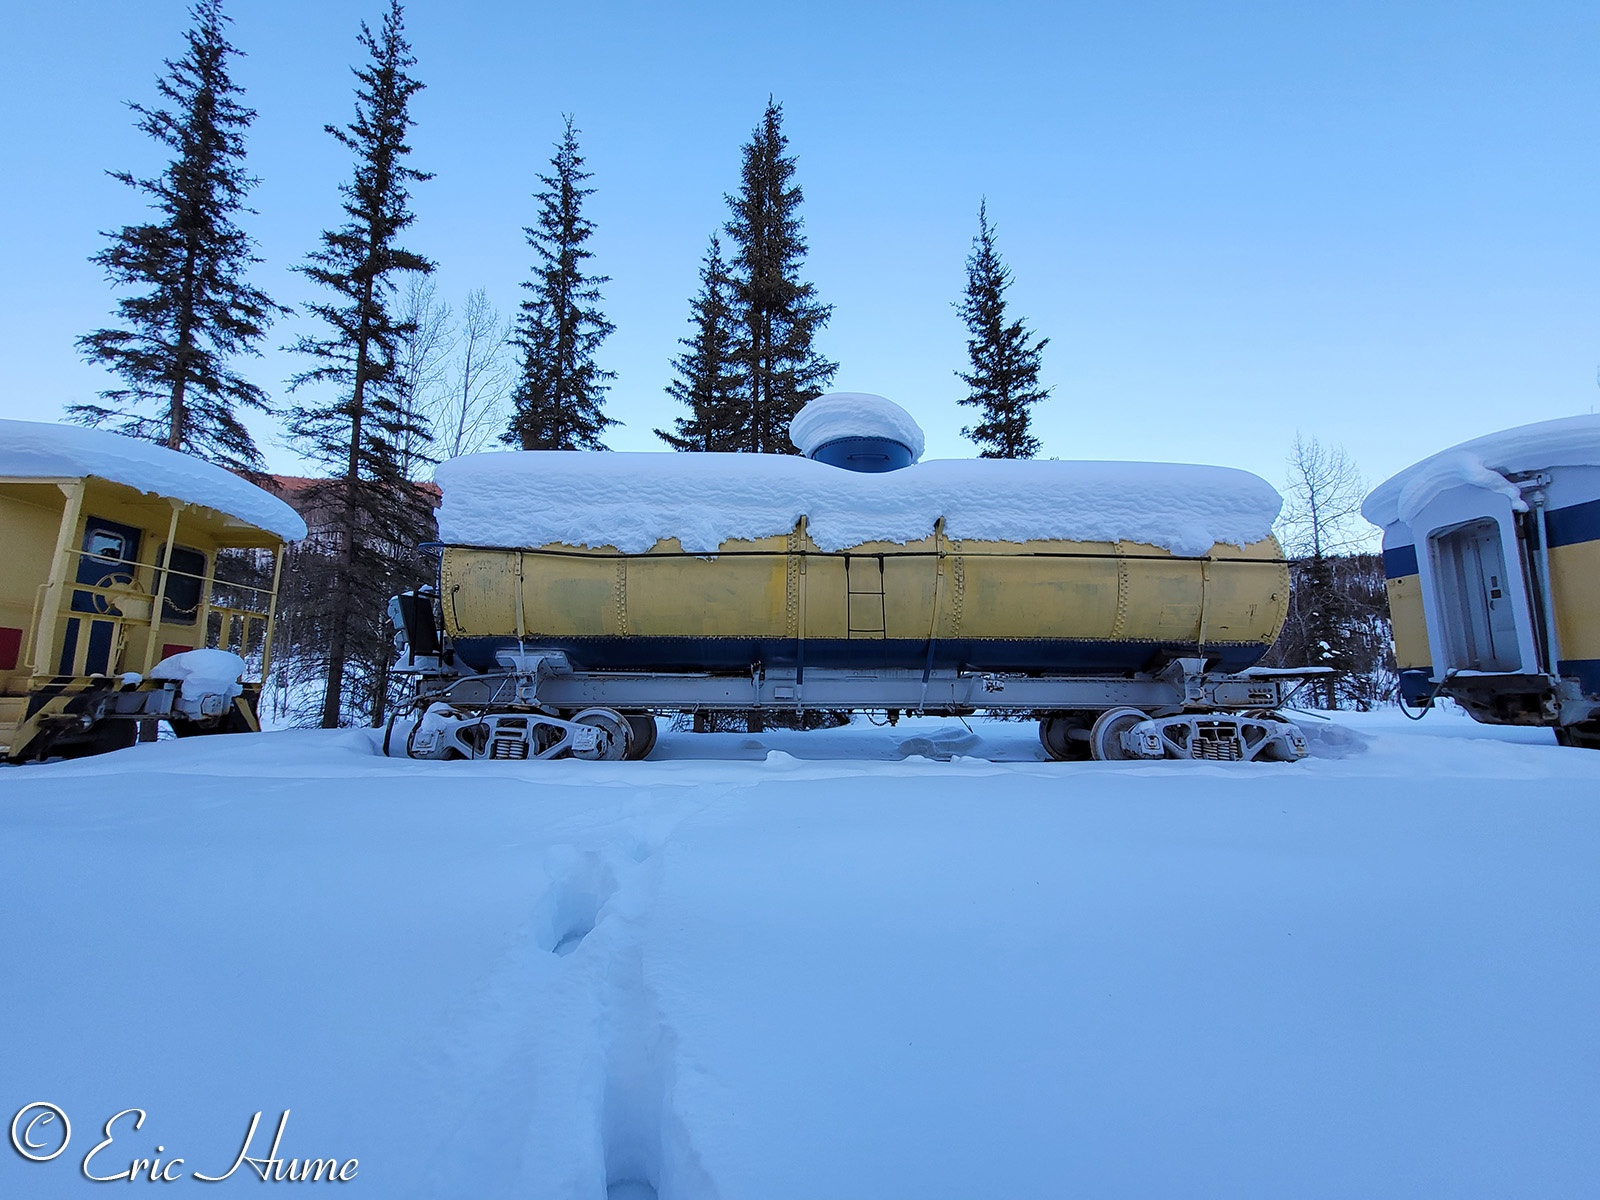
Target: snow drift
(817, 965)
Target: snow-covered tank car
(579, 592)
(113, 609)
(1492, 552)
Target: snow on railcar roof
(838, 415)
(36, 450)
(633, 500)
(1485, 462)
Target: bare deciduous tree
(471, 408)
(1320, 528)
(421, 367)
(1322, 501)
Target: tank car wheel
(393, 749)
(643, 740)
(1056, 736)
(1584, 736)
(1105, 738)
(614, 735)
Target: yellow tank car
(966, 604)
(116, 573)
(1492, 552)
(572, 586)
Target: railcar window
(182, 603)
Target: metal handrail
(226, 613)
(135, 568)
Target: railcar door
(110, 556)
(1475, 599)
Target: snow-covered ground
(912, 962)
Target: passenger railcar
(117, 562)
(1492, 552)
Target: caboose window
(102, 543)
(182, 603)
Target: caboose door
(110, 556)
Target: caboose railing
(242, 626)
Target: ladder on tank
(864, 581)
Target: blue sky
(1375, 223)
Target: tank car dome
(857, 431)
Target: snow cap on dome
(838, 415)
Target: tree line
(392, 381)
(192, 312)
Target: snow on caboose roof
(1485, 462)
(633, 500)
(35, 450)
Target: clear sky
(1372, 222)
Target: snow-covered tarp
(203, 673)
(633, 500)
(1485, 462)
(35, 450)
(840, 415)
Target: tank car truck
(1122, 604)
(1492, 553)
(116, 604)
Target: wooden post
(61, 574)
(154, 641)
(272, 613)
(202, 612)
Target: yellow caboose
(118, 560)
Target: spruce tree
(778, 315)
(562, 388)
(194, 310)
(708, 379)
(1004, 380)
(378, 515)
